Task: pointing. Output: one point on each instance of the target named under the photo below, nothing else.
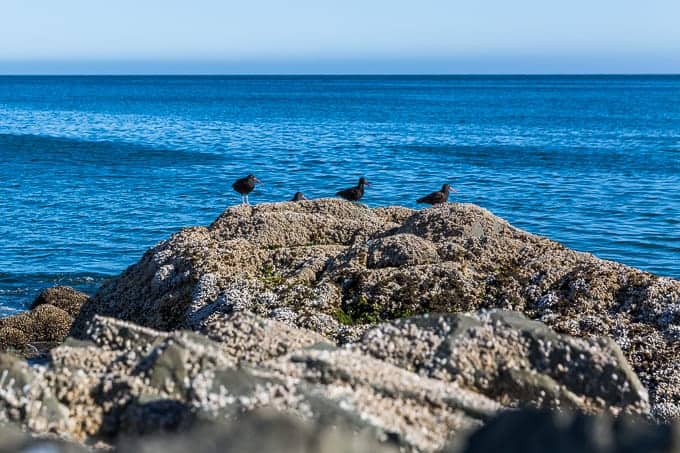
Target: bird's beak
(369, 184)
(257, 181)
(453, 190)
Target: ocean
(97, 169)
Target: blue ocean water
(97, 169)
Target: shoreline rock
(47, 323)
(513, 360)
(402, 329)
(123, 380)
(337, 268)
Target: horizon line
(348, 74)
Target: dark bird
(439, 197)
(354, 193)
(244, 186)
(299, 196)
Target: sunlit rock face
(336, 268)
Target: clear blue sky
(343, 36)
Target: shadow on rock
(539, 432)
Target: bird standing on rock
(439, 197)
(299, 196)
(244, 186)
(354, 193)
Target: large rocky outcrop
(434, 382)
(336, 268)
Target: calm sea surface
(97, 169)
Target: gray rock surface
(130, 380)
(26, 398)
(13, 440)
(412, 384)
(336, 268)
(512, 359)
(261, 431)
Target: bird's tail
(420, 200)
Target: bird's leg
(247, 201)
(242, 200)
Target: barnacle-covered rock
(512, 359)
(337, 268)
(64, 297)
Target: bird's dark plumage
(441, 196)
(354, 193)
(245, 185)
(299, 196)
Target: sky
(340, 36)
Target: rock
(385, 323)
(64, 297)
(168, 368)
(16, 375)
(534, 431)
(26, 398)
(513, 360)
(261, 431)
(33, 334)
(12, 440)
(411, 384)
(415, 411)
(12, 338)
(47, 323)
(252, 339)
(23, 322)
(336, 268)
(189, 377)
(51, 324)
(151, 415)
(400, 250)
(126, 380)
